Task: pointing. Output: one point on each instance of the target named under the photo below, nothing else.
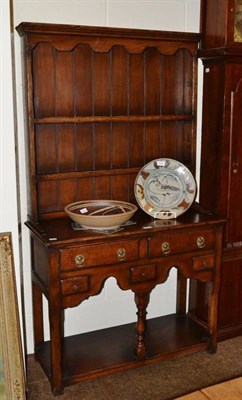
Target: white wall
(112, 306)
(8, 182)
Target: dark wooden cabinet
(221, 26)
(221, 156)
(101, 103)
(221, 189)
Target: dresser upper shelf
(102, 102)
(113, 118)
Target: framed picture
(12, 376)
(238, 21)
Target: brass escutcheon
(79, 260)
(121, 253)
(200, 242)
(165, 248)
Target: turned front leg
(141, 301)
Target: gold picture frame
(12, 376)
(238, 21)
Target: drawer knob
(235, 168)
(121, 254)
(165, 248)
(79, 260)
(76, 287)
(200, 242)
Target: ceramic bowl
(100, 214)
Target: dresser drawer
(181, 243)
(75, 285)
(142, 273)
(203, 263)
(89, 256)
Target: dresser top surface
(60, 232)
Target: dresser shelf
(110, 350)
(112, 118)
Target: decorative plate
(165, 188)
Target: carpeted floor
(165, 380)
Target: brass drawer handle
(165, 248)
(79, 259)
(121, 254)
(200, 242)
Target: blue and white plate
(165, 188)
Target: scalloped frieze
(167, 47)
